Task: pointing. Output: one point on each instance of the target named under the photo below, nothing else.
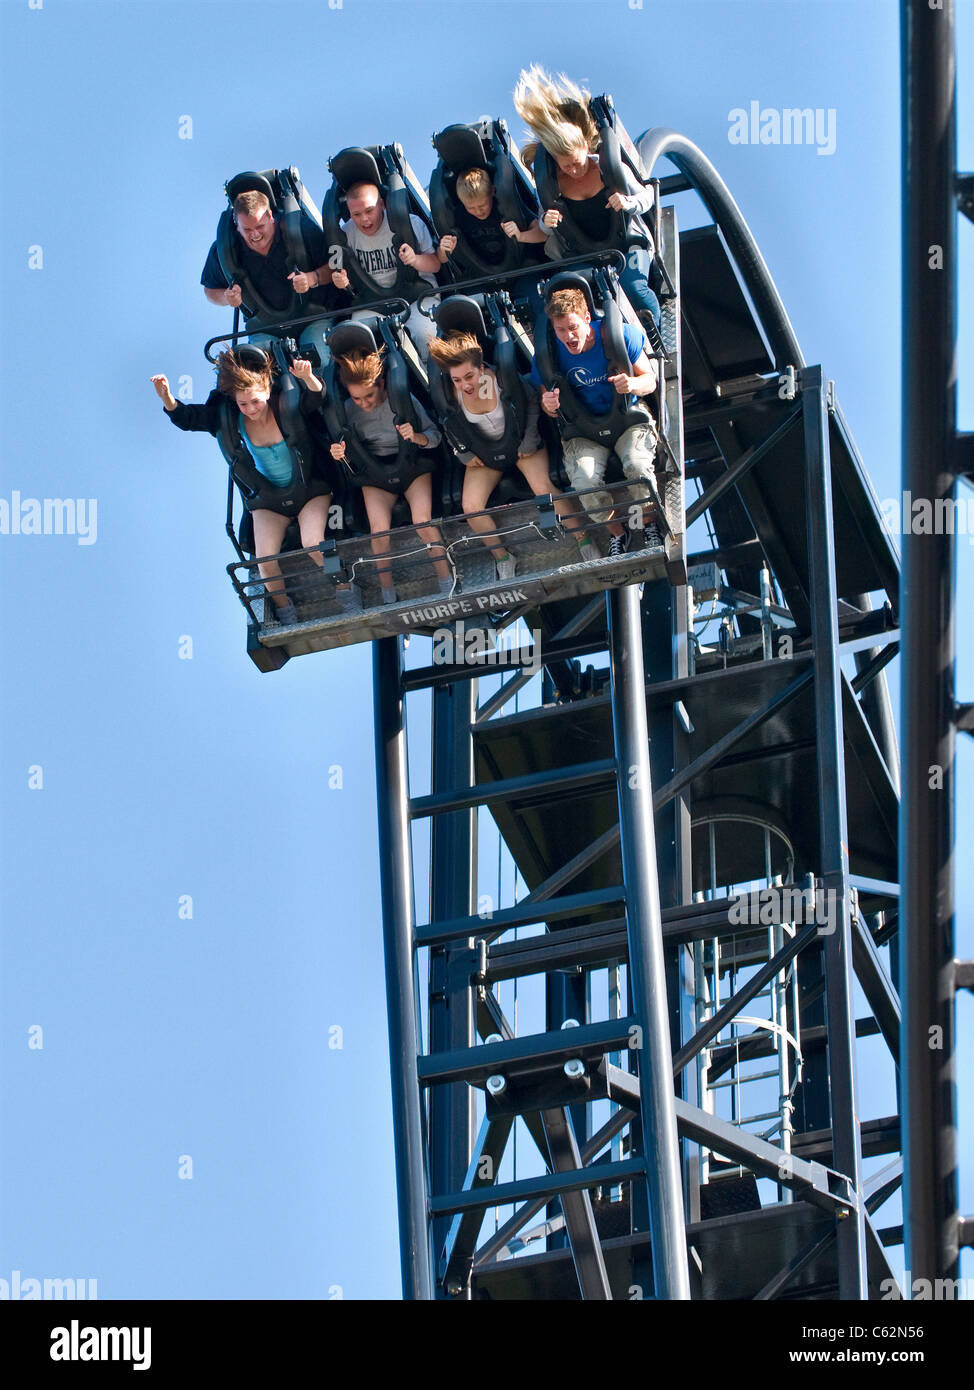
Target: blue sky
(208, 1036)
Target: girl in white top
(461, 357)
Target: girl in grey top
(369, 414)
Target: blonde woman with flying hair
(556, 110)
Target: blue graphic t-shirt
(588, 372)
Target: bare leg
(378, 506)
(269, 530)
(419, 495)
(478, 484)
(535, 468)
(312, 521)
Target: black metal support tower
(933, 459)
(707, 832)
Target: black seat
(368, 335)
(298, 223)
(600, 288)
(487, 317)
(481, 145)
(625, 228)
(382, 166)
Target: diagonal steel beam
(584, 859)
(741, 466)
(592, 610)
(583, 1237)
(813, 1181)
(744, 995)
(717, 750)
(489, 1250)
(456, 1261)
(880, 994)
(819, 1244)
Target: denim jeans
(635, 283)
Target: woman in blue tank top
(275, 488)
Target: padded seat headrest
(571, 280)
(462, 313)
(250, 182)
(351, 337)
(355, 165)
(255, 359)
(460, 148)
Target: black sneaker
(653, 536)
(617, 547)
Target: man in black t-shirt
(263, 255)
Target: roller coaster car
(467, 314)
(298, 225)
(386, 167)
(482, 145)
(549, 562)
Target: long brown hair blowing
(360, 368)
(455, 350)
(233, 375)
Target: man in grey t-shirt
(369, 235)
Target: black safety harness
(361, 467)
(577, 421)
(479, 146)
(464, 435)
(283, 190)
(361, 165)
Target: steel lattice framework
(707, 826)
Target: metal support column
(833, 831)
(646, 961)
(453, 879)
(927, 711)
(395, 877)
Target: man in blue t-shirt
(581, 358)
